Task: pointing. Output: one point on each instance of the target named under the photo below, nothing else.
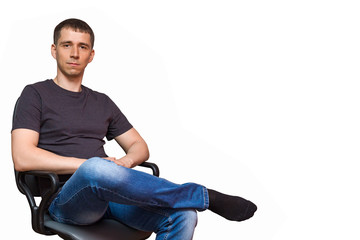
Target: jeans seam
(169, 228)
(64, 220)
(206, 198)
(127, 198)
(61, 204)
(109, 191)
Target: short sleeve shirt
(72, 124)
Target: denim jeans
(101, 189)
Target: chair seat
(106, 229)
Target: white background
(254, 98)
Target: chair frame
(26, 183)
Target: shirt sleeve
(27, 113)
(118, 123)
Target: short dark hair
(76, 25)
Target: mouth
(73, 64)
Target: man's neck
(73, 85)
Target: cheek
(59, 56)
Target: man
(59, 126)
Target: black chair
(106, 229)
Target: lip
(73, 64)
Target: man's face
(72, 52)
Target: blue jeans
(101, 189)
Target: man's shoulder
(39, 85)
(35, 88)
(96, 94)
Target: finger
(120, 163)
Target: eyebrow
(70, 42)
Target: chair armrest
(152, 166)
(38, 212)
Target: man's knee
(92, 165)
(97, 169)
(187, 219)
(179, 223)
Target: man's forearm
(39, 159)
(137, 154)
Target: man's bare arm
(135, 148)
(27, 156)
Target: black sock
(230, 207)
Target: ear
(53, 50)
(92, 55)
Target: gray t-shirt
(71, 124)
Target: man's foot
(230, 207)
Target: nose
(74, 52)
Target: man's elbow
(19, 164)
(23, 146)
(21, 161)
(147, 155)
(146, 152)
